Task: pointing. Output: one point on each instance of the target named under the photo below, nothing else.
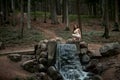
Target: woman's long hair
(75, 27)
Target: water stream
(68, 63)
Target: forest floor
(92, 34)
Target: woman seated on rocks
(76, 33)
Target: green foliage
(9, 35)
(40, 14)
(72, 18)
(83, 17)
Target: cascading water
(68, 63)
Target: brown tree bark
(106, 19)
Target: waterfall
(68, 63)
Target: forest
(32, 31)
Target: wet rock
(43, 61)
(69, 41)
(59, 39)
(45, 41)
(83, 45)
(41, 76)
(15, 57)
(43, 54)
(95, 67)
(39, 44)
(52, 40)
(97, 77)
(27, 57)
(91, 66)
(42, 68)
(54, 73)
(83, 50)
(30, 66)
(52, 70)
(85, 59)
(43, 47)
(110, 49)
(38, 51)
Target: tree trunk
(34, 9)
(78, 14)
(58, 7)
(13, 12)
(106, 19)
(22, 19)
(65, 14)
(29, 19)
(45, 14)
(53, 12)
(116, 25)
(1, 13)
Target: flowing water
(68, 63)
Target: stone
(91, 66)
(45, 41)
(53, 73)
(110, 49)
(97, 77)
(83, 50)
(85, 59)
(59, 39)
(43, 61)
(52, 45)
(15, 57)
(43, 54)
(95, 67)
(83, 45)
(42, 68)
(43, 46)
(69, 41)
(40, 76)
(39, 44)
(52, 70)
(30, 66)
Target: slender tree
(45, 15)
(105, 19)
(13, 12)
(34, 9)
(116, 25)
(65, 14)
(29, 20)
(22, 19)
(53, 12)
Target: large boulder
(15, 57)
(85, 59)
(43, 61)
(43, 54)
(110, 49)
(83, 44)
(54, 73)
(43, 46)
(30, 66)
(42, 68)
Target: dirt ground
(10, 70)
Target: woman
(76, 33)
